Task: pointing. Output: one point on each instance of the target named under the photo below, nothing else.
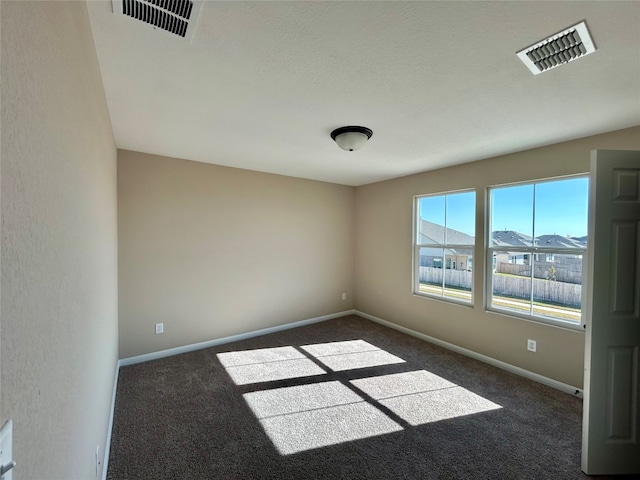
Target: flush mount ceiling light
(351, 138)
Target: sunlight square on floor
(267, 365)
(317, 415)
(349, 355)
(421, 397)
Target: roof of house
(510, 238)
(434, 233)
(559, 241)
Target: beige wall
(383, 269)
(59, 241)
(214, 251)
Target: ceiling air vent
(173, 16)
(563, 47)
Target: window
(536, 249)
(443, 245)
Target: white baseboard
(478, 356)
(233, 338)
(107, 443)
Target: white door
(610, 443)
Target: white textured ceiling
(262, 84)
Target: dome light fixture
(351, 138)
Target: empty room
(319, 239)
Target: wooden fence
(545, 291)
(455, 278)
(560, 272)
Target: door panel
(612, 385)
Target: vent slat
(169, 15)
(577, 37)
(165, 22)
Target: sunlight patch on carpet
(267, 365)
(338, 348)
(317, 415)
(350, 355)
(261, 355)
(421, 397)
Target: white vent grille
(174, 16)
(563, 47)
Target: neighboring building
(510, 238)
(565, 267)
(558, 241)
(451, 257)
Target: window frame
(417, 246)
(533, 252)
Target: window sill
(549, 322)
(450, 301)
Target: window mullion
(532, 278)
(444, 247)
(533, 247)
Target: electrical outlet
(344, 296)
(159, 327)
(531, 345)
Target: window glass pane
(512, 216)
(561, 210)
(457, 274)
(431, 220)
(557, 287)
(539, 277)
(461, 221)
(511, 289)
(432, 261)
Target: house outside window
(444, 240)
(536, 250)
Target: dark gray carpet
(422, 413)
